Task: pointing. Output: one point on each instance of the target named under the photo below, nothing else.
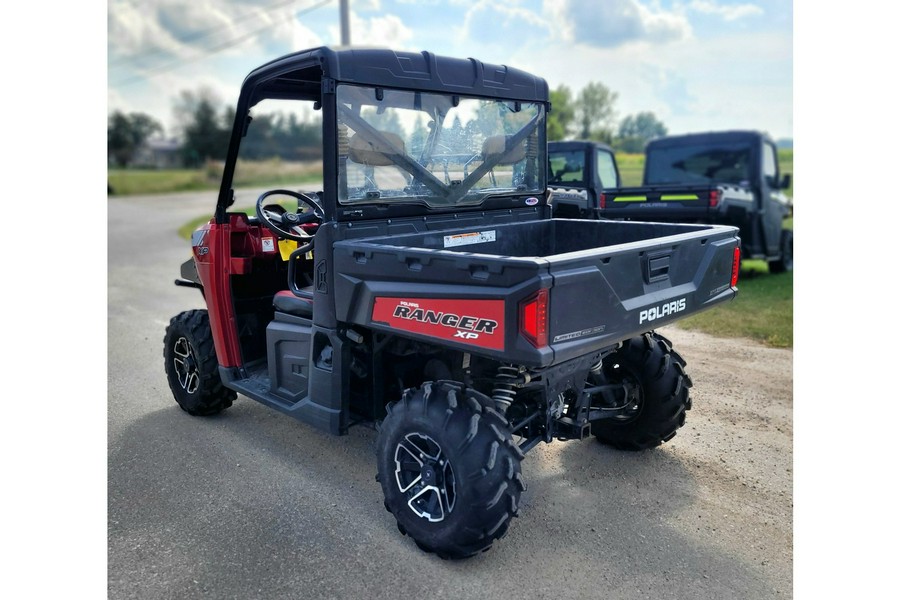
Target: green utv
(716, 178)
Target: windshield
(438, 149)
(699, 163)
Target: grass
(127, 182)
(265, 173)
(763, 309)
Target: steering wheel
(282, 224)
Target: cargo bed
(408, 284)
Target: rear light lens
(602, 200)
(736, 266)
(713, 198)
(533, 319)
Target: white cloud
(386, 30)
(488, 21)
(150, 34)
(731, 12)
(615, 22)
(132, 33)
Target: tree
(595, 110)
(205, 134)
(125, 134)
(388, 120)
(636, 130)
(562, 113)
(204, 137)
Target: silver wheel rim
(425, 477)
(185, 363)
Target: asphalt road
(252, 504)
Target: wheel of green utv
(449, 469)
(662, 397)
(191, 365)
(786, 262)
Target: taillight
(533, 319)
(602, 201)
(713, 198)
(736, 266)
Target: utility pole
(345, 22)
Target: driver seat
(298, 303)
(296, 300)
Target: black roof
(736, 135)
(571, 145)
(411, 70)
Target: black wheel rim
(425, 477)
(185, 363)
(634, 400)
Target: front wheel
(655, 372)
(192, 367)
(449, 469)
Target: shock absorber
(504, 392)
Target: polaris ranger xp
(426, 290)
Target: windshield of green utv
(438, 149)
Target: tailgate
(659, 203)
(600, 298)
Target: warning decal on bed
(465, 239)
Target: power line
(208, 51)
(200, 35)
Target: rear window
(699, 163)
(566, 167)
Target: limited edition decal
(579, 334)
(473, 322)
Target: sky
(698, 65)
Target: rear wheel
(786, 261)
(191, 365)
(657, 407)
(449, 469)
